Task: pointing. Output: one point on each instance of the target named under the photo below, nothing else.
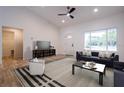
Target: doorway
(12, 43)
(69, 48)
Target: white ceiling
(81, 14)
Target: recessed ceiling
(81, 14)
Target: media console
(43, 53)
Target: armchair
(37, 68)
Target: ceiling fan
(69, 11)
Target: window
(87, 41)
(98, 40)
(112, 40)
(104, 40)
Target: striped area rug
(28, 80)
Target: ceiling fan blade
(71, 16)
(71, 10)
(62, 14)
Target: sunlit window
(104, 40)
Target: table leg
(72, 69)
(101, 78)
(105, 71)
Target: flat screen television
(43, 44)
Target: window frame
(106, 31)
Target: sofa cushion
(80, 53)
(88, 53)
(119, 65)
(118, 78)
(110, 55)
(96, 54)
(102, 60)
(102, 54)
(113, 54)
(85, 53)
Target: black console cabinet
(43, 53)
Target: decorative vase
(36, 47)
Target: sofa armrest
(78, 55)
(118, 78)
(116, 58)
(118, 65)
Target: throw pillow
(113, 54)
(108, 55)
(81, 53)
(101, 54)
(89, 53)
(35, 60)
(85, 53)
(96, 54)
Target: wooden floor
(8, 79)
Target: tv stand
(43, 53)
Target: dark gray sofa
(95, 57)
(119, 74)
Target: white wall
(34, 27)
(77, 32)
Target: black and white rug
(28, 80)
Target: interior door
(69, 47)
(18, 44)
(17, 51)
